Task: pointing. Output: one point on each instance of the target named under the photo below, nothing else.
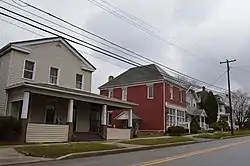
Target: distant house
(160, 97)
(193, 110)
(46, 83)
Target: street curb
(122, 150)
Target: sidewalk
(10, 156)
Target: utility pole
(229, 92)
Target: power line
(110, 42)
(75, 32)
(21, 27)
(138, 25)
(156, 62)
(219, 77)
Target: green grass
(54, 151)
(225, 134)
(157, 141)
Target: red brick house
(161, 99)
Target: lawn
(54, 151)
(157, 141)
(225, 134)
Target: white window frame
(111, 91)
(82, 86)
(181, 95)
(171, 115)
(58, 74)
(124, 93)
(180, 116)
(33, 72)
(171, 92)
(148, 87)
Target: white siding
(53, 54)
(38, 133)
(4, 70)
(114, 133)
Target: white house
(46, 83)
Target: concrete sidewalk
(9, 156)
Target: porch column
(200, 121)
(70, 118)
(104, 122)
(24, 115)
(130, 120)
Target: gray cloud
(203, 32)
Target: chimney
(203, 89)
(111, 78)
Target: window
(16, 109)
(110, 93)
(150, 92)
(109, 118)
(171, 92)
(124, 94)
(50, 114)
(29, 70)
(53, 76)
(171, 117)
(180, 116)
(180, 95)
(175, 117)
(79, 81)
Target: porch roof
(63, 92)
(124, 116)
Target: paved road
(230, 152)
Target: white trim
(34, 70)
(6, 102)
(181, 97)
(109, 93)
(82, 86)
(142, 83)
(101, 97)
(150, 86)
(171, 92)
(175, 107)
(124, 97)
(58, 75)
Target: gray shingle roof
(141, 74)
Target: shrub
(176, 130)
(194, 126)
(10, 128)
(221, 125)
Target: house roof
(20, 46)
(195, 111)
(141, 74)
(124, 116)
(72, 92)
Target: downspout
(164, 107)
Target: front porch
(53, 114)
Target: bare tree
(240, 107)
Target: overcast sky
(194, 35)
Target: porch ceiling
(58, 91)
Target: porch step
(87, 136)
